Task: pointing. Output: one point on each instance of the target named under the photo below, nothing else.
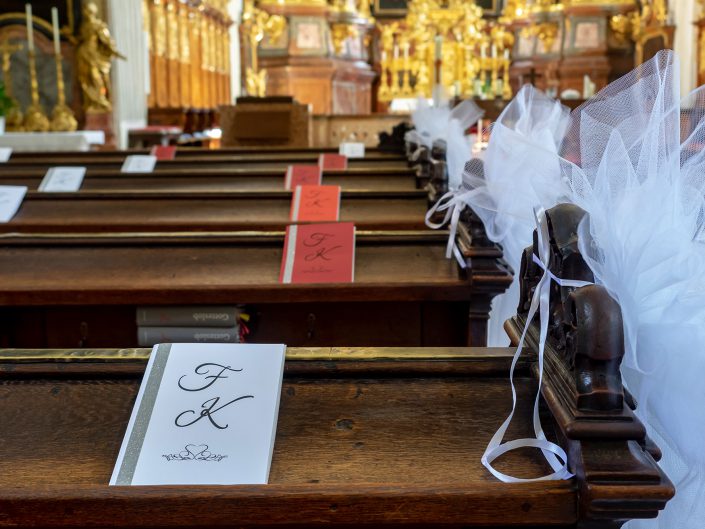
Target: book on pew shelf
(139, 163)
(163, 152)
(188, 316)
(352, 149)
(315, 204)
(11, 198)
(319, 253)
(333, 162)
(62, 180)
(5, 153)
(148, 336)
(205, 414)
(302, 174)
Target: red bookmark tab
(302, 175)
(319, 253)
(315, 204)
(333, 162)
(164, 152)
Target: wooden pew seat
(372, 438)
(63, 290)
(135, 211)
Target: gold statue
(95, 52)
(256, 23)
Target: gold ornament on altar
(13, 117)
(442, 45)
(34, 120)
(256, 23)
(62, 118)
(95, 53)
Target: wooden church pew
(392, 437)
(220, 180)
(91, 211)
(63, 290)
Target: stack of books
(188, 324)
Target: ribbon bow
(553, 453)
(453, 204)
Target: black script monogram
(204, 370)
(314, 199)
(316, 240)
(208, 410)
(209, 373)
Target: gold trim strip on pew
(320, 354)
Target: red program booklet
(164, 152)
(319, 253)
(302, 175)
(333, 162)
(315, 204)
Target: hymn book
(315, 204)
(333, 162)
(205, 414)
(302, 175)
(319, 253)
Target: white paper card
(205, 414)
(5, 153)
(352, 149)
(139, 163)
(62, 179)
(10, 201)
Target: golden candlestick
(35, 119)
(14, 117)
(62, 118)
(507, 92)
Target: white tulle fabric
(443, 123)
(521, 172)
(634, 159)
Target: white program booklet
(62, 179)
(5, 153)
(352, 149)
(205, 414)
(11, 198)
(139, 163)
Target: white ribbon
(553, 453)
(453, 205)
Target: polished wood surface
(375, 443)
(174, 181)
(84, 289)
(89, 211)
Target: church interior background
(356, 64)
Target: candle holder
(35, 120)
(507, 92)
(62, 118)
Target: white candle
(406, 52)
(55, 27)
(439, 47)
(506, 54)
(494, 51)
(483, 51)
(30, 29)
(396, 51)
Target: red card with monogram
(302, 175)
(319, 253)
(333, 162)
(164, 152)
(315, 204)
